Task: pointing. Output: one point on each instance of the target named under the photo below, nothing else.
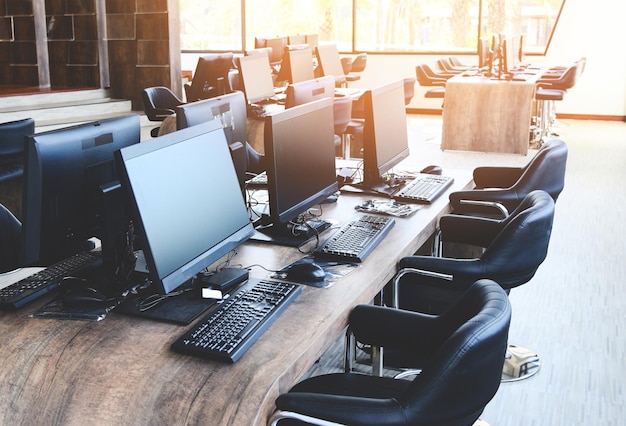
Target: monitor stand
(288, 234)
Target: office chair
(353, 66)
(409, 89)
(158, 103)
(508, 186)
(12, 135)
(462, 351)
(513, 250)
(342, 115)
(10, 240)
(424, 79)
(211, 77)
(446, 66)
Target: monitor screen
(385, 140)
(300, 159)
(309, 90)
(64, 173)
(256, 76)
(297, 64)
(186, 200)
(510, 54)
(483, 52)
(328, 58)
(277, 44)
(211, 76)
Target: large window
(422, 26)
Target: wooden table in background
(487, 115)
(121, 371)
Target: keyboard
(423, 189)
(356, 239)
(34, 286)
(226, 333)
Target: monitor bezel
(167, 281)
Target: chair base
(520, 363)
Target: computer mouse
(306, 271)
(432, 170)
(85, 296)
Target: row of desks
(121, 370)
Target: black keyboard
(423, 189)
(34, 286)
(226, 333)
(356, 239)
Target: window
(416, 26)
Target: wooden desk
(487, 115)
(121, 371)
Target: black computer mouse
(432, 170)
(306, 271)
(85, 296)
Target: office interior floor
(572, 312)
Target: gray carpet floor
(572, 313)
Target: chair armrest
(339, 409)
(163, 113)
(387, 327)
(496, 177)
(478, 231)
(507, 198)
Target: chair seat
(437, 93)
(549, 95)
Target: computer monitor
(297, 39)
(300, 159)
(484, 53)
(312, 40)
(297, 64)
(256, 76)
(385, 140)
(211, 76)
(277, 44)
(230, 111)
(330, 62)
(309, 91)
(510, 54)
(66, 174)
(186, 202)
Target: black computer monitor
(277, 44)
(385, 140)
(312, 40)
(309, 90)
(297, 39)
(211, 76)
(256, 75)
(330, 62)
(510, 54)
(297, 64)
(483, 53)
(230, 111)
(66, 175)
(300, 160)
(186, 201)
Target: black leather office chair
(353, 66)
(514, 248)
(342, 115)
(158, 103)
(10, 237)
(462, 352)
(425, 79)
(508, 186)
(12, 136)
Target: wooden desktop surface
(121, 370)
(487, 115)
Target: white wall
(594, 29)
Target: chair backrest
(546, 170)
(424, 78)
(516, 253)
(10, 238)
(359, 62)
(464, 373)
(12, 136)
(409, 89)
(342, 113)
(158, 102)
